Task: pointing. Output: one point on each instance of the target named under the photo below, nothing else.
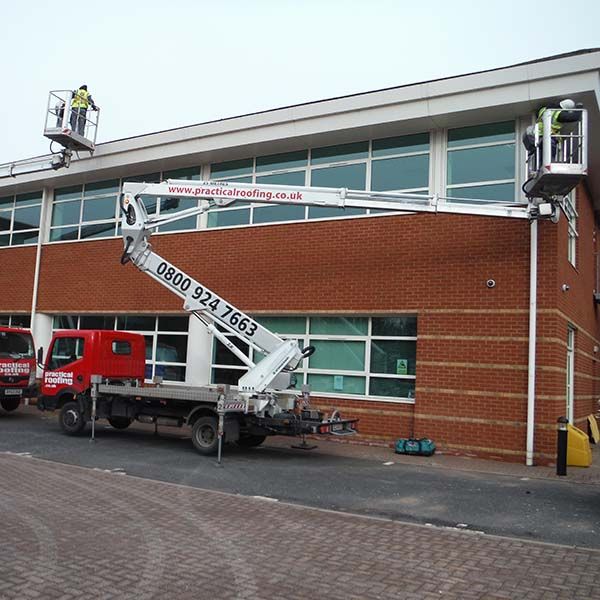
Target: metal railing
(61, 117)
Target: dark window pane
(64, 234)
(96, 322)
(66, 213)
(339, 153)
(21, 321)
(228, 218)
(171, 348)
(29, 237)
(97, 230)
(99, 209)
(481, 134)
(403, 173)
(7, 201)
(394, 357)
(149, 372)
(121, 347)
(27, 218)
(102, 188)
(28, 199)
(500, 192)
(146, 178)
(481, 164)
(189, 173)
(4, 240)
(392, 388)
(226, 376)
(339, 325)
(395, 326)
(401, 145)
(288, 160)
(136, 323)
(5, 218)
(231, 168)
(181, 225)
(149, 346)
(65, 322)
(224, 356)
(173, 323)
(343, 384)
(169, 372)
(68, 193)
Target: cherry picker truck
(264, 402)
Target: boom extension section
(281, 356)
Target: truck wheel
(120, 422)
(205, 435)
(250, 441)
(10, 404)
(71, 419)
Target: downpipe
(531, 371)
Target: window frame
(448, 187)
(305, 338)
(11, 232)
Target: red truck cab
(17, 367)
(75, 355)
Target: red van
(17, 367)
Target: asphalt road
(555, 511)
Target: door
(570, 395)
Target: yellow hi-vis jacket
(555, 125)
(80, 99)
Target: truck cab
(17, 367)
(75, 355)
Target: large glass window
(20, 219)
(481, 162)
(92, 210)
(372, 357)
(166, 339)
(398, 163)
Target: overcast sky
(153, 65)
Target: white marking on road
(387, 464)
(265, 498)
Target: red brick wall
(17, 269)
(472, 340)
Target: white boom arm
(281, 355)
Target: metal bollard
(561, 446)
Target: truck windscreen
(15, 345)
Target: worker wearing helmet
(562, 112)
(82, 99)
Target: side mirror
(40, 357)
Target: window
(15, 345)
(570, 209)
(23, 321)
(121, 347)
(91, 210)
(481, 162)
(356, 356)
(166, 339)
(398, 163)
(65, 351)
(85, 212)
(20, 219)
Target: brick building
(410, 337)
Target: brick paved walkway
(68, 532)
